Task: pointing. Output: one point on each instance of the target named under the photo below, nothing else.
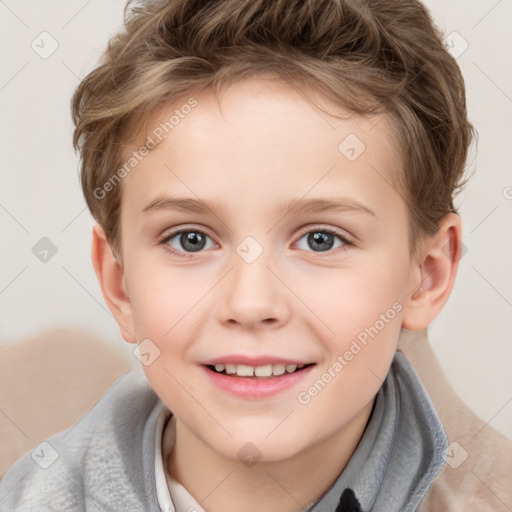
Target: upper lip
(253, 361)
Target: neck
(223, 484)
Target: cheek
(161, 302)
(362, 308)
(164, 313)
(348, 300)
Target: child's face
(259, 286)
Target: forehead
(262, 133)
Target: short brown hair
(368, 56)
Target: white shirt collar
(172, 496)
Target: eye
(184, 242)
(321, 240)
(187, 241)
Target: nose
(252, 296)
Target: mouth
(268, 371)
(256, 378)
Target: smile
(256, 382)
(267, 371)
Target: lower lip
(253, 388)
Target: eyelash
(180, 254)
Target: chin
(252, 447)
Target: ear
(435, 274)
(110, 276)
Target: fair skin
(266, 148)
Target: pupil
(321, 240)
(192, 241)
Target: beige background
(40, 195)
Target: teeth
(263, 371)
(278, 369)
(231, 368)
(243, 370)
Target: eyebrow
(181, 203)
(295, 206)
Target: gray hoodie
(106, 462)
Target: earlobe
(112, 281)
(437, 270)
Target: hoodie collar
(403, 449)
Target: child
(309, 152)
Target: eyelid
(164, 240)
(334, 231)
(304, 231)
(178, 230)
